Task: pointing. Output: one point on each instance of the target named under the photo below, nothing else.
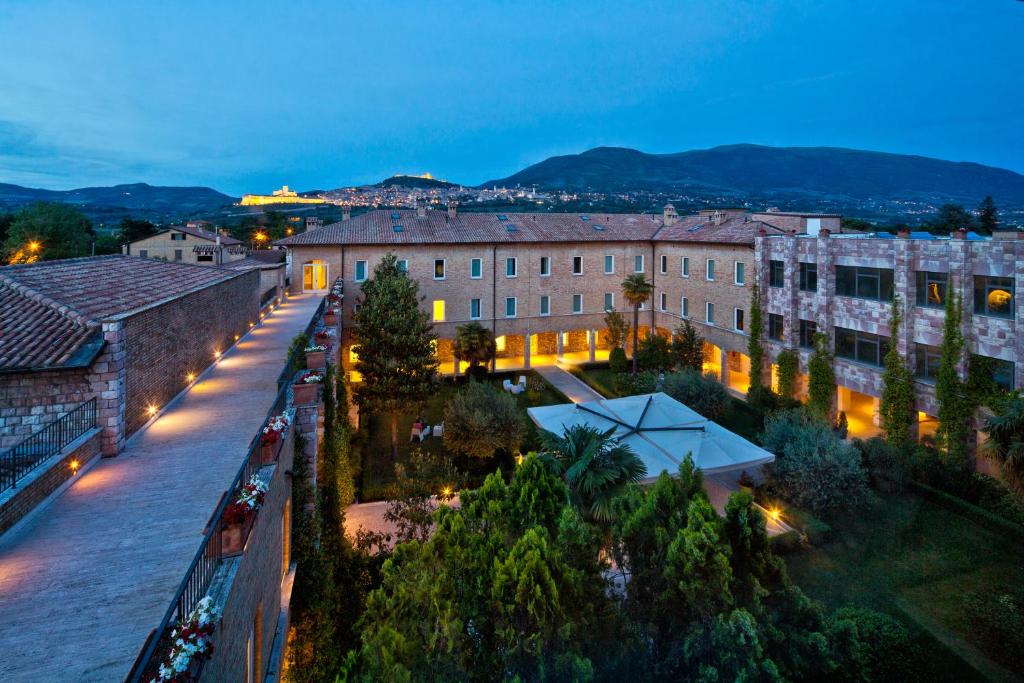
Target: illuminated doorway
(314, 275)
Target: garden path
(573, 387)
(85, 579)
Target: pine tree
(988, 216)
(950, 392)
(396, 346)
(821, 379)
(688, 347)
(897, 409)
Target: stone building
(130, 332)
(842, 285)
(186, 244)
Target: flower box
(315, 359)
(239, 514)
(321, 338)
(231, 539)
(272, 437)
(305, 390)
(330, 318)
(191, 644)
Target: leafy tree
(480, 419)
(48, 230)
(897, 408)
(821, 381)
(953, 217)
(654, 353)
(882, 650)
(5, 224)
(812, 467)
(617, 328)
(850, 223)
(637, 290)
(617, 360)
(754, 348)
(695, 390)
(1005, 444)
(950, 392)
(474, 344)
(688, 347)
(133, 229)
(396, 346)
(988, 216)
(595, 466)
(788, 365)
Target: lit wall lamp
(73, 466)
(151, 410)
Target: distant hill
(415, 182)
(136, 197)
(756, 171)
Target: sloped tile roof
(734, 230)
(226, 240)
(52, 309)
(248, 263)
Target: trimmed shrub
(812, 467)
(617, 361)
(480, 419)
(655, 353)
(885, 465)
(880, 648)
(699, 392)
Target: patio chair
(439, 430)
(522, 380)
(425, 433)
(414, 434)
(506, 384)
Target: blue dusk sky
(245, 96)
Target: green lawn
(375, 437)
(908, 557)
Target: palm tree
(1005, 444)
(596, 467)
(637, 290)
(474, 344)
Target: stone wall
(166, 342)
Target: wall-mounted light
(190, 377)
(151, 410)
(236, 337)
(73, 466)
(216, 353)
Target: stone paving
(84, 581)
(575, 389)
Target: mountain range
(759, 172)
(132, 197)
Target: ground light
(775, 514)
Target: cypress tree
(950, 392)
(897, 409)
(754, 348)
(821, 379)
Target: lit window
(360, 271)
(931, 289)
(993, 296)
(439, 269)
(499, 343)
(439, 310)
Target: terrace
(90, 574)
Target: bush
(480, 419)
(880, 647)
(812, 467)
(886, 467)
(617, 361)
(997, 621)
(762, 399)
(699, 392)
(788, 364)
(655, 353)
(640, 383)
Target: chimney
(669, 215)
(313, 222)
(346, 213)
(220, 252)
(903, 233)
(716, 218)
(421, 209)
(959, 234)
(453, 207)
(824, 232)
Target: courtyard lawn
(927, 566)
(375, 437)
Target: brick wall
(29, 400)
(165, 342)
(34, 488)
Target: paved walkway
(83, 582)
(569, 384)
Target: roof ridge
(24, 290)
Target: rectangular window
(684, 308)
(143, 253)
(438, 310)
(511, 266)
(862, 347)
(775, 330)
(177, 237)
(177, 254)
(439, 273)
(808, 277)
(737, 315)
(709, 313)
(609, 264)
(686, 266)
(360, 271)
(609, 301)
(664, 264)
(740, 274)
(510, 307)
(545, 305)
(577, 303)
(661, 302)
(993, 296)
(710, 274)
(776, 274)
(864, 283)
(926, 362)
(1001, 371)
(931, 289)
(577, 265)
(403, 265)
(638, 263)
(201, 257)
(545, 266)
(476, 268)
(474, 309)
(808, 328)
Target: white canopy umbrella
(661, 431)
